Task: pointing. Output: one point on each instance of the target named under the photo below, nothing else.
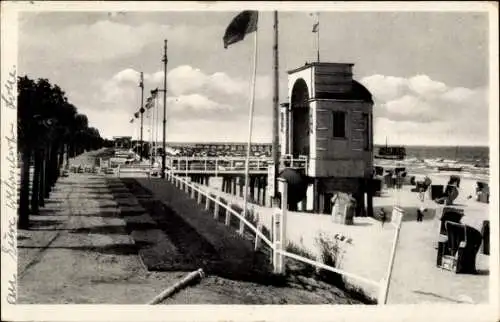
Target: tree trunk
(69, 153)
(61, 156)
(24, 195)
(54, 165)
(35, 189)
(47, 172)
(43, 174)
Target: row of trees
(50, 131)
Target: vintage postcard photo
(211, 161)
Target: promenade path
(79, 250)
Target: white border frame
(455, 312)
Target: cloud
(192, 93)
(424, 86)
(425, 111)
(185, 79)
(385, 88)
(190, 105)
(104, 39)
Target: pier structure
(231, 172)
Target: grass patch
(331, 255)
(299, 267)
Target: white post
(283, 188)
(257, 237)
(192, 192)
(199, 197)
(216, 208)
(228, 217)
(276, 222)
(216, 166)
(207, 202)
(397, 215)
(242, 224)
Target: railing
(217, 165)
(214, 165)
(196, 191)
(146, 169)
(278, 236)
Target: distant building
(122, 142)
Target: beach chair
(454, 180)
(483, 192)
(448, 214)
(462, 247)
(436, 191)
(485, 232)
(450, 194)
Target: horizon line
(270, 143)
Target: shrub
(331, 253)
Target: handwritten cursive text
(11, 158)
(9, 98)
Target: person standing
(420, 213)
(383, 217)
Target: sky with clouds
(427, 71)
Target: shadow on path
(113, 249)
(200, 241)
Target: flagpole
(142, 111)
(164, 154)
(156, 127)
(317, 36)
(275, 141)
(250, 122)
(151, 115)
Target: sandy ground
(415, 279)
(78, 251)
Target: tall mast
(141, 85)
(276, 106)
(163, 157)
(317, 37)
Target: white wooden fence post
(192, 192)
(396, 218)
(241, 231)
(216, 207)
(276, 243)
(228, 216)
(279, 264)
(199, 197)
(257, 237)
(207, 202)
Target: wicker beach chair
(462, 245)
(448, 214)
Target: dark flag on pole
(136, 115)
(315, 27)
(132, 120)
(154, 92)
(244, 23)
